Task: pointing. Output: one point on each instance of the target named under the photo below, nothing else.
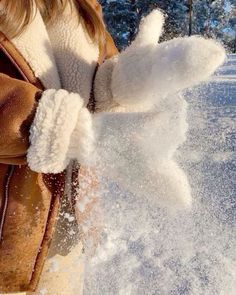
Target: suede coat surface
(29, 201)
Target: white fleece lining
(75, 53)
(35, 46)
(51, 131)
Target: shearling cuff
(82, 139)
(51, 132)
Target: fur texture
(166, 69)
(143, 83)
(76, 54)
(35, 46)
(145, 77)
(58, 116)
(61, 55)
(146, 72)
(82, 138)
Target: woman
(29, 64)
(49, 75)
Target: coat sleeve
(18, 102)
(38, 127)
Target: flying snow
(145, 247)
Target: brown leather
(17, 63)
(29, 202)
(28, 215)
(17, 108)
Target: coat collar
(18, 61)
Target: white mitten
(61, 131)
(146, 72)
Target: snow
(136, 150)
(145, 249)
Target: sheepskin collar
(35, 46)
(75, 53)
(62, 55)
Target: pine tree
(177, 18)
(176, 15)
(121, 20)
(212, 18)
(231, 32)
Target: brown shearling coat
(29, 201)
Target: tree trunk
(190, 3)
(134, 9)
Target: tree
(231, 32)
(211, 18)
(121, 20)
(177, 18)
(190, 16)
(122, 17)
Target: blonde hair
(14, 18)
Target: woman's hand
(61, 131)
(147, 72)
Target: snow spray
(146, 249)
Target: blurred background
(211, 18)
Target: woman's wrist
(51, 131)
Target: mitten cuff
(82, 139)
(50, 134)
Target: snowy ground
(146, 250)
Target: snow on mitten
(146, 72)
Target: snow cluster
(137, 151)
